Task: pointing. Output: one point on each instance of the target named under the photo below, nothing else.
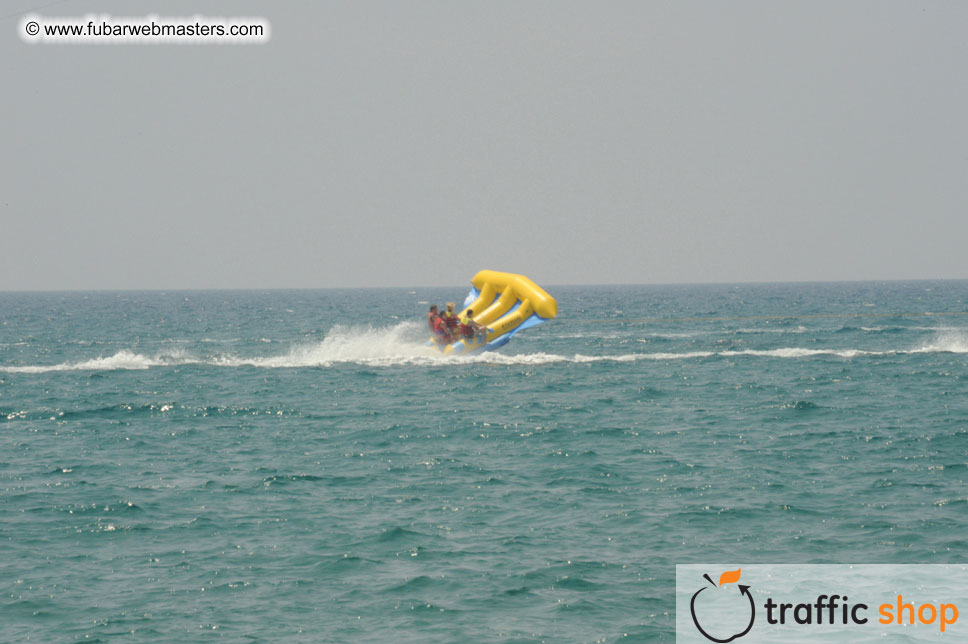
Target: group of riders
(448, 327)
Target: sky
(413, 143)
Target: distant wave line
(813, 316)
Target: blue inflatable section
(500, 341)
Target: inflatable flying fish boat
(505, 303)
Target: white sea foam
(799, 352)
(754, 330)
(946, 341)
(677, 335)
(403, 343)
(123, 359)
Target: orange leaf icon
(729, 577)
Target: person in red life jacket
(431, 315)
(441, 334)
(438, 327)
(452, 322)
(469, 328)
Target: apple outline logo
(744, 590)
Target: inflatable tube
(506, 303)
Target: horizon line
(425, 287)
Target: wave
(946, 341)
(403, 343)
(123, 359)
(323, 356)
(754, 330)
(387, 346)
(406, 344)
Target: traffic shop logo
(712, 601)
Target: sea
(299, 466)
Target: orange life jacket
(438, 326)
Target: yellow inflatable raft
(505, 303)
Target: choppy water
(297, 466)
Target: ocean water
(297, 466)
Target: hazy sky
(413, 143)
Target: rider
(450, 319)
(469, 328)
(437, 326)
(431, 315)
